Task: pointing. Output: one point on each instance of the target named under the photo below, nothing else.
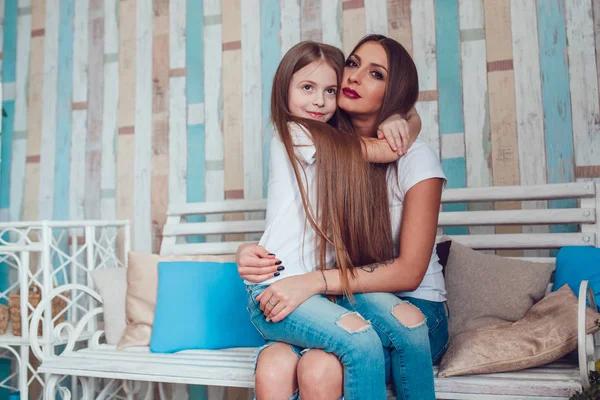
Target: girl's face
(313, 91)
(364, 81)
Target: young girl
(321, 191)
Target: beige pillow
(484, 289)
(111, 283)
(546, 333)
(142, 284)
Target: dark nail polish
(276, 274)
(280, 268)
(278, 262)
(271, 254)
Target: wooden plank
(505, 150)
(596, 12)
(556, 96)
(93, 177)
(9, 48)
(216, 207)
(213, 102)
(79, 114)
(270, 54)
(126, 122)
(466, 218)
(354, 25)
(450, 101)
(399, 26)
(424, 42)
(252, 102)
(19, 142)
(520, 193)
(142, 228)
(529, 111)
(583, 81)
(178, 130)
(110, 112)
(290, 24)
(310, 20)
(376, 18)
(34, 114)
(234, 77)
(196, 139)
(160, 120)
(63, 110)
(331, 22)
(476, 105)
(49, 116)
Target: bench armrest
(70, 332)
(585, 342)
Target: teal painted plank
(195, 52)
(556, 100)
(448, 67)
(196, 161)
(63, 124)
(8, 76)
(270, 54)
(456, 173)
(450, 102)
(64, 100)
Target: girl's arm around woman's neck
(417, 238)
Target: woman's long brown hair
(401, 93)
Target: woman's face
(364, 80)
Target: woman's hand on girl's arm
(417, 238)
(255, 264)
(284, 296)
(399, 131)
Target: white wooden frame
(233, 367)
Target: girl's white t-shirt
(288, 233)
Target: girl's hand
(396, 131)
(282, 297)
(255, 264)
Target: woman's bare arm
(417, 237)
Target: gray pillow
(111, 284)
(486, 289)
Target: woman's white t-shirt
(288, 233)
(419, 164)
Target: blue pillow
(201, 305)
(576, 264)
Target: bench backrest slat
(225, 236)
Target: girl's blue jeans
(316, 324)
(408, 352)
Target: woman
(379, 80)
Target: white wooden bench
(233, 367)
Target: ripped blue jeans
(408, 349)
(316, 324)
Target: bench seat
(235, 368)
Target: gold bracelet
(325, 279)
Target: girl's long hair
(347, 213)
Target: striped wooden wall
(116, 107)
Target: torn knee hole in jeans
(408, 315)
(353, 322)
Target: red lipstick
(350, 93)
